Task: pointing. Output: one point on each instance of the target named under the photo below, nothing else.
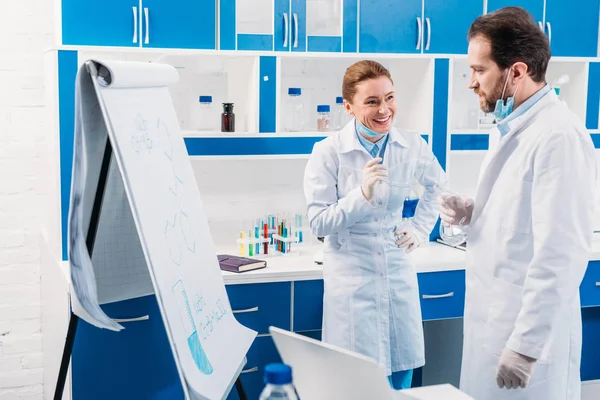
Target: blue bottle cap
(205, 99)
(278, 374)
(294, 91)
(339, 100)
(323, 108)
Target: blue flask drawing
(185, 314)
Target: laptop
(323, 371)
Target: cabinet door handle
(428, 22)
(135, 29)
(597, 284)
(437, 296)
(285, 29)
(295, 30)
(541, 26)
(247, 310)
(549, 32)
(419, 32)
(247, 371)
(142, 318)
(147, 39)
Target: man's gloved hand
(514, 370)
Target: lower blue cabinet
(135, 363)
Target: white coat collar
(349, 141)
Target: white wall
(25, 31)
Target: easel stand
(90, 239)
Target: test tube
(189, 327)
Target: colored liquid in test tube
(189, 327)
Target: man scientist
(530, 224)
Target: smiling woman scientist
(355, 184)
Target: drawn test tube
(185, 314)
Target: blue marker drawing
(185, 314)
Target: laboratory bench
(289, 294)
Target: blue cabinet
(572, 27)
(535, 7)
(308, 305)
(115, 24)
(135, 363)
(442, 294)
(447, 23)
(261, 305)
(185, 24)
(150, 23)
(415, 26)
(390, 26)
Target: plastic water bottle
(338, 114)
(294, 115)
(278, 379)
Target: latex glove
(405, 238)
(514, 370)
(372, 174)
(455, 209)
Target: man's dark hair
(514, 37)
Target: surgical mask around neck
(503, 109)
(363, 130)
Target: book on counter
(239, 264)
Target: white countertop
(432, 257)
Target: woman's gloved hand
(372, 174)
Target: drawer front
(308, 305)
(442, 294)
(261, 353)
(135, 363)
(260, 305)
(590, 286)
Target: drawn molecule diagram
(178, 229)
(179, 236)
(140, 139)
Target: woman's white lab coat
(371, 302)
(527, 253)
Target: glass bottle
(294, 113)
(338, 114)
(205, 116)
(323, 118)
(227, 118)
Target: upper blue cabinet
(288, 25)
(186, 24)
(571, 27)
(416, 26)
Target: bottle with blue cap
(294, 111)
(206, 118)
(278, 380)
(323, 118)
(337, 119)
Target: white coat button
(375, 234)
(381, 202)
(376, 219)
(379, 253)
(381, 275)
(343, 240)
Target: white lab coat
(527, 253)
(371, 301)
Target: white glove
(405, 238)
(372, 174)
(455, 210)
(514, 370)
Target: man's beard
(495, 95)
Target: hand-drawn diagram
(180, 236)
(165, 137)
(185, 315)
(140, 140)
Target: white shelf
(272, 157)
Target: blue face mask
(503, 110)
(363, 130)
